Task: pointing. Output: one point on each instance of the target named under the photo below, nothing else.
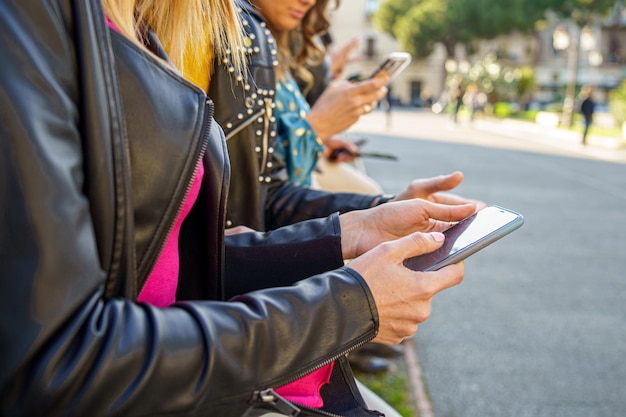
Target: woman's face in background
(283, 15)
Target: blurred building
(594, 55)
(600, 56)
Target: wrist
(316, 126)
(381, 199)
(349, 230)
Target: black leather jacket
(261, 197)
(94, 162)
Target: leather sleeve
(288, 203)
(304, 249)
(67, 350)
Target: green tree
(525, 83)
(420, 24)
(580, 11)
(499, 83)
(386, 16)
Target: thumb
(418, 243)
(443, 182)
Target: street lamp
(451, 66)
(561, 40)
(595, 58)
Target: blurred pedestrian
(587, 108)
(474, 99)
(458, 102)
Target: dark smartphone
(395, 63)
(468, 237)
(338, 152)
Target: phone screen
(394, 64)
(467, 237)
(391, 66)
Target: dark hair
(303, 46)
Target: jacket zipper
(270, 396)
(206, 128)
(278, 403)
(266, 128)
(267, 115)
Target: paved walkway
(518, 134)
(507, 134)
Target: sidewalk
(601, 147)
(416, 123)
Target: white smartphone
(468, 237)
(395, 63)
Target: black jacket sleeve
(303, 249)
(288, 203)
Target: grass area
(599, 131)
(504, 111)
(394, 387)
(577, 125)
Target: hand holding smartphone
(335, 154)
(395, 63)
(468, 237)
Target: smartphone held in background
(395, 63)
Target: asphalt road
(538, 327)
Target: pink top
(160, 287)
(306, 390)
(160, 291)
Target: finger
(450, 199)
(382, 77)
(371, 106)
(346, 157)
(376, 95)
(416, 244)
(479, 204)
(420, 243)
(440, 226)
(448, 213)
(371, 85)
(427, 187)
(367, 108)
(447, 277)
(237, 230)
(351, 148)
(443, 182)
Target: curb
(422, 403)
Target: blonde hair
(204, 23)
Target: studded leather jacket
(261, 197)
(91, 179)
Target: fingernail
(437, 236)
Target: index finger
(371, 84)
(451, 198)
(441, 182)
(442, 215)
(445, 278)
